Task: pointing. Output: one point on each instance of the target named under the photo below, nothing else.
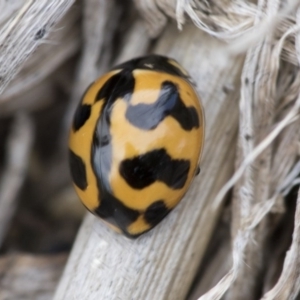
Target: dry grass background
(51, 50)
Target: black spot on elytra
(143, 170)
(78, 171)
(156, 212)
(120, 85)
(82, 114)
(169, 103)
(157, 63)
(115, 212)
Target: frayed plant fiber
(26, 29)
(269, 111)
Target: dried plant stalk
(254, 196)
(162, 263)
(288, 285)
(223, 19)
(137, 34)
(36, 98)
(261, 190)
(256, 115)
(18, 151)
(64, 41)
(8, 8)
(217, 260)
(29, 277)
(25, 31)
(230, 20)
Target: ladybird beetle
(135, 143)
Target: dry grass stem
(17, 152)
(288, 285)
(64, 41)
(25, 31)
(252, 217)
(137, 34)
(8, 8)
(29, 277)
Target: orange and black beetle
(135, 142)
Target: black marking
(248, 137)
(82, 114)
(143, 170)
(169, 103)
(120, 85)
(156, 212)
(40, 34)
(115, 212)
(157, 63)
(78, 171)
